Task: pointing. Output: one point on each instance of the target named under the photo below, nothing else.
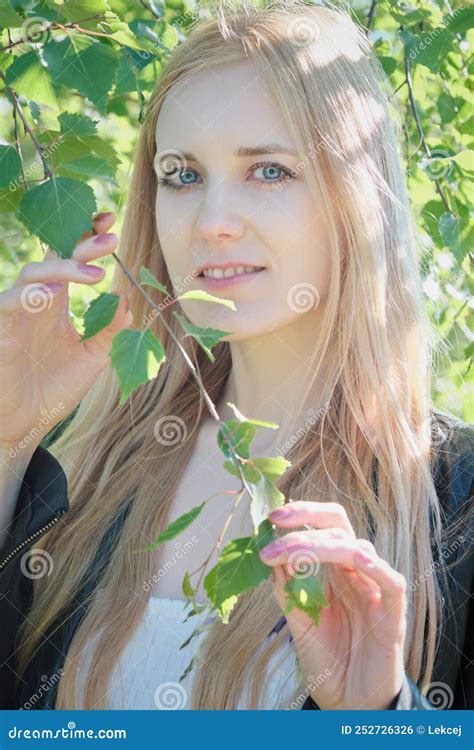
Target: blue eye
(275, 172)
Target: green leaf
(265, 498)
(99, 314)
(136, 357)
(75, 124)
(465, 160)
(9, 18)
(58, 211)
(10, 199)
(88, 67)
(77, 10)
(88, 167)
(453, 231)
(10, 164)
(207, 338)
(441, 39)
(203, 296)
(187, 588)
(175, 528)
(236, 437)
(307, 594)
(27, 76)
(147, 278)
(239, 569)
(85, 155)
(272, 468)
(255, 422)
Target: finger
(100, 224)
(34, 298)
(320, 515)
(392, 583)
(66, 270)
(316, 543)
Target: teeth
(219, 273)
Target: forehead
(219, 106)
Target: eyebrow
(267, 148)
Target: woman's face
(229, 208)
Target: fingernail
(92, 270)
(105, 215)
(280, 513)
(271, 551)
(362, 559)
(102, 239)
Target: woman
(269, 145)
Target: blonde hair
(374, 335)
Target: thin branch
(51, 27)
(370, 16)
(419, 128)
(47, 172)
(190, 364)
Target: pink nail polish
(280, 513)
(103, 239)
(271, 551)
(92, 270)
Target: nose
(218, 219)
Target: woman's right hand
(45, 367)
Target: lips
(221, 273)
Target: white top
(146, 676)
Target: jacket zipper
(26, 541)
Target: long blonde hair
(375, 335)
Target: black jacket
(43, 499)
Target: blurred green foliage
(81, 73)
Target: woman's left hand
(353, 659)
